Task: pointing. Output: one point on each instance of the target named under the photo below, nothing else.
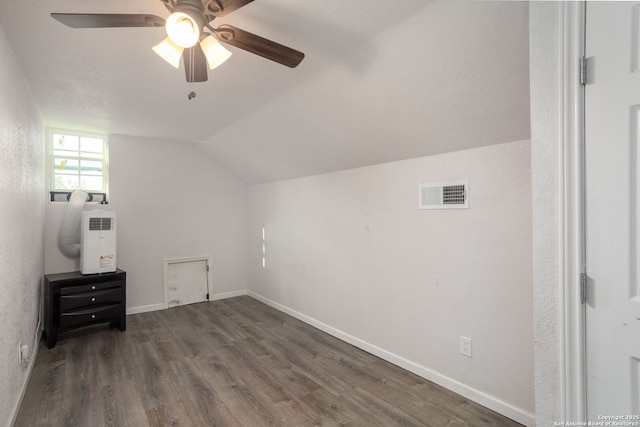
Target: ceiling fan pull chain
(192, 60)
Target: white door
(186, 282)
(612, 103)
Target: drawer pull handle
(93, 316)
(93, 299)
(93, 286)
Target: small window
(77, 161)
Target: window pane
(67, 182)
(91, 183)
(67, 165)
(66, 142)
(91, 145)
(90, 167)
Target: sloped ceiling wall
(381, 81)
(448, 77)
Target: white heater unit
(98, 242)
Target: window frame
(51, 158)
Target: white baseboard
(146, 308)
(163, 306)
(462, 389)
(32, 361)
(232, 294)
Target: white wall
(545, 47)
(350, 252)
(21, 226)
(172, 200)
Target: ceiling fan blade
(260, 46)
(195, 64)
(225, 7)
(107, 20)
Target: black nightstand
(72, 300)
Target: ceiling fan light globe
(215, 53)
(169, 51)
(183, 29)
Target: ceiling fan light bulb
(169, 51)
(215, 53)
(183, 29)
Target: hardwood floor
(233, 362)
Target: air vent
(100, 224)
(444, 195)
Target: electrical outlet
(465, 346)
(23, 353)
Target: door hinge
(584, 65)
(207, 297)
(207, 267)
(583, 287)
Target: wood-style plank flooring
(233, 362)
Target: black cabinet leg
(51, 338)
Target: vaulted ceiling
(381, 81)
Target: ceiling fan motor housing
(194, 9)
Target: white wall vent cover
(444, 195)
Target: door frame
(573, 311)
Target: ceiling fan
(188, 37)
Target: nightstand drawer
(69, 302)
(90, 315)
(97, 286)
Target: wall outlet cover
(465, 346)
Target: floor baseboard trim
(462, 389)
(146, 308)
(163, 306)
(231, 294)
